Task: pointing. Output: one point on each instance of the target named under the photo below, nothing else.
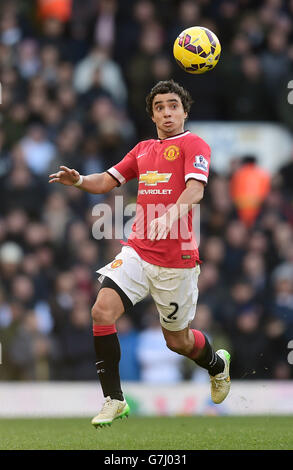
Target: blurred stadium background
(74, 75)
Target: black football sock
(209, 359)
(108, 355)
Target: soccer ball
(197, 50)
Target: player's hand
(65, 176)
(159, 228)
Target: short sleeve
(197, 160)
(126, 169)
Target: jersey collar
(177, 136)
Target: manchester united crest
(116, 263)
(171, 153)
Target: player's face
(168, 114)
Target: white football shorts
(174, 290)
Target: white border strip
(117, 175)
(197, 176)
(22, 399)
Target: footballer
(158, 258)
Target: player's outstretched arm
(97, 183)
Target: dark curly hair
(168, 86)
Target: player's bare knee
(102, 315)
(179, 347)
(173, 345)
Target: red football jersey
(162, 167)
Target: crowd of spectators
(74, 81)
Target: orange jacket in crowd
(59, 9)
(249, 187)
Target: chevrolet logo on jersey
(152, 178)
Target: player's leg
(175, 294)
(110, 304)
(195, 345)
(123, 285)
